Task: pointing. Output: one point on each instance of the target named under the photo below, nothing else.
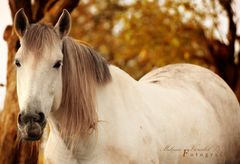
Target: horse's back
(192, 77)
(211, 96)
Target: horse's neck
(107, 96)
(113, 94)
(57, 149)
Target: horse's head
(39, 72)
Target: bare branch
(15, 5)
(38, 9)
(53, 13)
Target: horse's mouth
(31, 132)
(31, 137)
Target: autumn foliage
(142, 35)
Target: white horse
(98, 114)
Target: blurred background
(136, 35)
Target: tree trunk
(228, 68)
(12, 149)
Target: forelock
(39, 36)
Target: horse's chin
(32, 138)
(31, 132)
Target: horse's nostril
(41, 117)
(25, 118)
(20, 118)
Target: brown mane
(83, 70)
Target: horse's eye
(57, 64)
(17, 63)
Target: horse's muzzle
(31, 125)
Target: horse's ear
(63, 25)
(21, 23)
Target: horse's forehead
(38, 59)
(44, 48)
(36, 51)
(36, 54)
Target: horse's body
(176, 114)
(167, 117)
